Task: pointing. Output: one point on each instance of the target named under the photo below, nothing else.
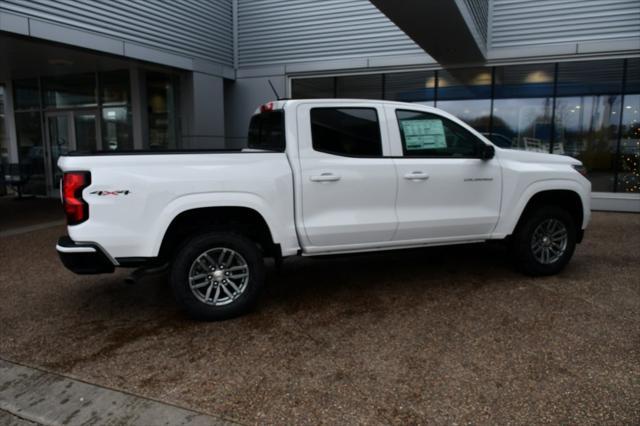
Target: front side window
(350, 132)
(429, 135)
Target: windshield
(266, 131)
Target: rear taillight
(75, 207)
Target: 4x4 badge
(114, 193)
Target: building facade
(547, 76)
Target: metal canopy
(439, 27)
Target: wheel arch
(565, 198)
(246, 213)
(565, 193)
(244, 220)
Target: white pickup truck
(318, 177)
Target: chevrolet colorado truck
(319, 177)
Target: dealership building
(558, 76)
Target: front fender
(511, 211)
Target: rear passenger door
(348, 188)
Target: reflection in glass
(114, 87)
(30, 150)
(522, 123)
(86, 135)
(522, 107)
(59, 142)
(4, 142)
(590, 78)
(69, 90)
(116, 129)
(524, 81)
(26, 94)
(475, 113)
(629, 159)
(417, 86)
(161, 99)
(313, 88)
(464, 83)
(360, 86)
(586, 127)
(466, 93)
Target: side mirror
(487, 152)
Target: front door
(445, 190)
(67, 131)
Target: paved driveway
(424, 336)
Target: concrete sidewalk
(30, 395)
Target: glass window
(524, 81)
(4, 142)
(30, 150)
(587, 121)
(475, 113)
(418, 86)
(116, 129)
(522, 107)
(26, 94)
(466, 93)
(464, 83)
(353, 132)
(69, 90)
(162, 107)
(429, 135)
(85, 131)
(266, 131)
(593, 77)
(360, 86)
(313, 88)
(587, 128)
(114, 87)
(628, 179)
(629, 160)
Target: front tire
(544, 241)
(217, 276)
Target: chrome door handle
(325, 177)
(416, 176)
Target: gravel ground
(443, 335)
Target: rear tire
(544, 241)
(217, 276)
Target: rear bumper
(83, 258)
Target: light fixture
(628, 107)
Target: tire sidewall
(525, 258)
(194, 247)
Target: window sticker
(424, 134)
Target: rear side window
(350, 132)
(266, 131)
